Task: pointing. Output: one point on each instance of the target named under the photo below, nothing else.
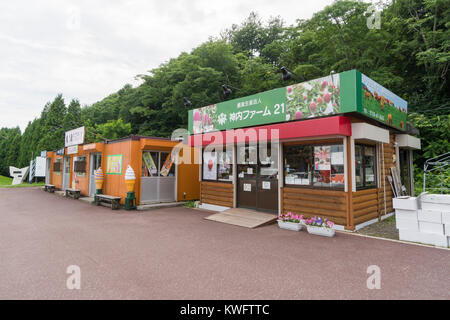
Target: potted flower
(320, 226)
(290, 221)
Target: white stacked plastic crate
(430, 224)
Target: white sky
(90, 49)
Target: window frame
(311, 186)
(363, 167)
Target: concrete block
(409, 235)
(407, 214)
(436, 198)
(430, 216)
(407, 224)
(431, 227)
(446, 217)
(447, 229)
(434, 239)
(435, 206)
(406, 203)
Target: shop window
(218, 166)
(57, 166)
(314, 166)
(150, 163)
(365, 163)
(167, 167)
(79, 166)
(157, 164)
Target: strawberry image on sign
(210, 164)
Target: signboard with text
(335, 94)
(74, 137)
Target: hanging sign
(74, 137)
(60, 152)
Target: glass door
(96, 162)
(66, 173)
(258, 177)
(268, 178)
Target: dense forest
(409, 54)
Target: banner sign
(381, 104)
(72, 149)
(74, 137)
(60, 152)
(315, 98)
(165, 169)
(335, 94)
(114, 164)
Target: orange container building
(159, 176)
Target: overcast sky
(90, 49)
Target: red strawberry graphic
(210, 164)
(298, 114)
(327, 97)
(312, 107)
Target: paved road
(176, 254)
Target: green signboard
(334, 94)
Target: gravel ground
(384, 229)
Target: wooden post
(350, 224)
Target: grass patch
(190, 204)
(5, 182)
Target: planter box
(406, 203)
(326, 232)
(289, 225)
(431, 227)
(430, 216)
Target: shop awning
(408, 141)
(368, 132)
(332, 126)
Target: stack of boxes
(425, 219)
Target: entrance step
(89, 200)
(161, 205)
(243, 217)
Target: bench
(102, 199)
(74, 193)
(49, 188)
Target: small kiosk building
(324, 147)
(159, 178)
